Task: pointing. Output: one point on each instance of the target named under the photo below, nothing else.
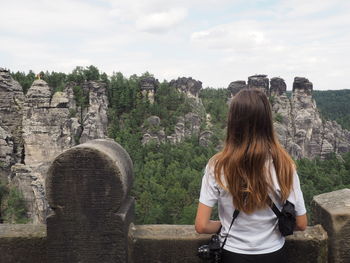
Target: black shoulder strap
(235, 214)
(275, 209)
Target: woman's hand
(203, 224)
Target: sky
(214, 41)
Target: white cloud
(161, 21)
(237, 36)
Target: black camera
(212, 251)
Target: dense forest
(168, 176)
(334, 105)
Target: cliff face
(11, 104)
(298, 122)
(44, 125)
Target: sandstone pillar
(332, 211)
(88, 190)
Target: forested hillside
(167, 175)
(334, 105)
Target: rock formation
(94, 121)
(11, 103)
(236, 86)
(189, 86)
(259, 82)
(153, 131)
(297, 120)
(39, 126)
(187, 125)
(149, 86)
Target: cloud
(237, 36)
(161, 21)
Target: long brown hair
(250, 143)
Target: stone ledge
(23, 243)
(179, 243)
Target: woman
(250, 171)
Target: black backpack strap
(235, 214)
(275, 209)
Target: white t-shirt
(255, 233)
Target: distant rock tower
(236, 86)
(149, 86)
(277, 86)
(189, 86)
(259, 82)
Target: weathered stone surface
(11, 104)
(259, 82)
(277, 86)
(153, 132)
(332, 210)
(95, 120)
(302, 85)
(7, 157)
(30, 180)
(236, 86)
(88, 189)
(23, 243)
(204, 138)
(149, 86)
(39, 95)
(310, 246)
(189, 86)
(300, 127)
(176, 243)
(49, 125)
(48, 129)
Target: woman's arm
(301, 223)
(203, 224)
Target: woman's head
(249, 118)
(250, 143)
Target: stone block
(332, 211)
(88, 190)
(24, 243)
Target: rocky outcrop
(236, 86)
(189, 86)
(187, 125)
(259, 82)
(153, 132)
(277, 87)
(300, 126)
(11, 104)
(298, 122)
(50, 125)
(148, 87)
(47, 127)
(7, 157)
(94, 120)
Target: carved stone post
(332, 211)
(88, 190)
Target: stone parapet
(179, 243)
(23, 243)
(332, 210)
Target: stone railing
(88, 189)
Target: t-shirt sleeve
(209, 190)
(296, 197)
